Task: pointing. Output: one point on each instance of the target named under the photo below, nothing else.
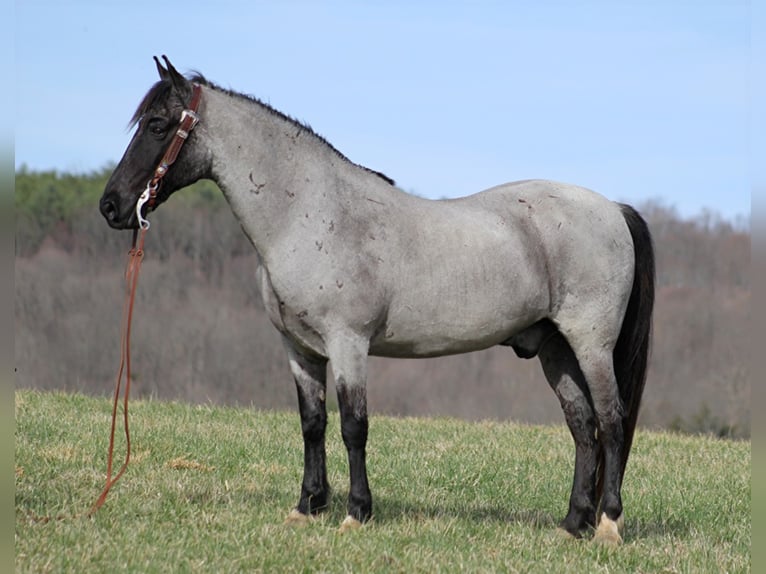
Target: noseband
(189, 119)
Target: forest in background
(201, 334)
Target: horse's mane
(162, 89)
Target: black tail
(631, 354)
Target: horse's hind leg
(595, 360)
(310, 380)
(563, 373)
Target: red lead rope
(189, 119)
(135, 256)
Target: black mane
(162, 90)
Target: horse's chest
(293, 314)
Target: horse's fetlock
(583, 505)
(611, 506)
(360, 505)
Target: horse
(349, 265)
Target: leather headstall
(189, 120)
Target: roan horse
(352, 266)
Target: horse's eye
(158, 127)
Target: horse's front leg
(310, 374)
(348, 355)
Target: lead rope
(189, 120)
(132, 269)
(135, 256)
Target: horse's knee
(313, 425)
(354, 432)
(352, 403)
(311, 404)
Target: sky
(640, 100)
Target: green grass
(208, 489)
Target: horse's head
(157, 118)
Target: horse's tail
(631, 353)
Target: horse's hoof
(297, 518)
(608, 531)
(349, 523)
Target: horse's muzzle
(109, 205)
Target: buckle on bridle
(149, 192)
(189, 114)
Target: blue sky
(637, 100)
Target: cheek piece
(189, 119)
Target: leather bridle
(189, 120)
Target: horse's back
(548, 201)
(567, 219)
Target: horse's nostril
(108, 209)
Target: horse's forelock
(159, 92)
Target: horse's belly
(435, 340)
(444, 328)
(436, 346)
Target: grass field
(208, 489)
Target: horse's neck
(274, 172)
(250, 147)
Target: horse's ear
(179, 82)
(160, 70)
